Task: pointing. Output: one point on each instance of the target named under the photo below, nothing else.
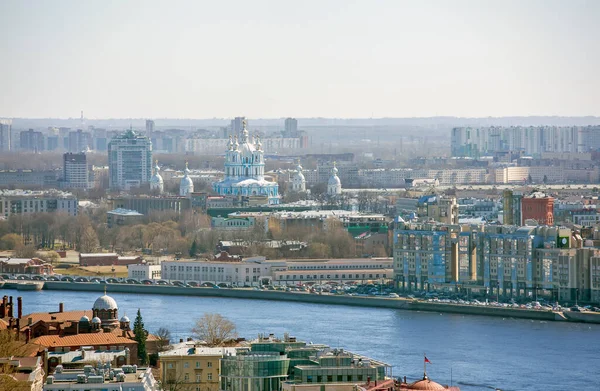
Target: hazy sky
(203, 59)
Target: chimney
(124, 334)
(61, 307)
(10, 309)
(27, 335)
(18, 328)
(180, 340)
(29, 321)
(3, 306)
(19, 307)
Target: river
(480, 352)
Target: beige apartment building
(192, 367)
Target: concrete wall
(307, 298)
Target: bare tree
(214, 329)
(163, 335)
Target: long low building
(259, 271)
(30, 202)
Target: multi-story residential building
(149, 126)
(438, 208)
(498, 260)
(29, 178)
(192, 366)
(533, 141)
(31, 140)
(539, 207)
(29, 202)
(79, 141)
(76, 172)
(586, 217)
(129, 160)
(5, 135)
(291, 125)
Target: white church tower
(298, 180)
(334, 186)
(186, 186)
(156, 182)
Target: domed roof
(124, 319)
(105, 303)
(334, 180)
(96, 320)
(84, 319)
(426, 384)
(156, 178)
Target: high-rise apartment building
(533, 141)
(5, 134)
(291, 125)
(75, 171)
(236, 126)
(149, 126)
(79, 141)
(129, 160)
(31, 140)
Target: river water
(475, 352)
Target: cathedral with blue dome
(245, 170)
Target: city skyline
(276, 59)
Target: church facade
(245, 170)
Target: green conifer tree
(193, 249)
(140, 337)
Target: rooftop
(124, 212)
(36, 193)
(193, 349)
(93, 339)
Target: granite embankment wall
(311, 298)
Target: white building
(298, 181)
(29, 202)
(186, 185)
(249, 271)
(5, 135)
(334, 185)
(156, 182)
(245, 170)
(144, 271)
(129, 160)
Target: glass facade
(254, 371)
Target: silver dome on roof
(105, 303)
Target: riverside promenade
(393, 303)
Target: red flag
(427, 360)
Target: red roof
(93, 339)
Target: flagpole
(424, 365)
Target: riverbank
(392, 303)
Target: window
(329, 378)
(186, 377)
(170, 365)
(209, 376)
(209, 364)
(340, 378)
(186, 364)
(198, 378)
(319, 379)
(197, 364)
(360, 377)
